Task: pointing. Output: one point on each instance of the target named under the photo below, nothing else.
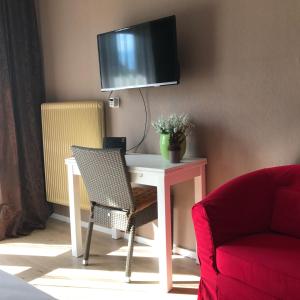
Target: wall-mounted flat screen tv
(139, 56)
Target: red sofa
(248, 237)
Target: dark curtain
(22, 192)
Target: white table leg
(164, 235)
(116, 234)
(200, 185)
(75, 217)
(200, 190)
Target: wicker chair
(114, 203)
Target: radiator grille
(65, 124)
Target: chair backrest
(105, 176)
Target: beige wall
(240, 78)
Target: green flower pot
(164, 146)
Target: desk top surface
(154, 162)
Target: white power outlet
(114, 102)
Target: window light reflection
(101, 279)
(140, 251)
(32, 249)
(13, 270)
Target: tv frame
(157, 84)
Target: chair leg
(88, 239)
(129, 255)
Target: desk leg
(75, 217)
(200, 185)
(164, 235)
(116, 234)
(200, 190)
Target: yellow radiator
(65, 124)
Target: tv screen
(139, 56)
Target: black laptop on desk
(115, 142)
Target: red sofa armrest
(205, 242)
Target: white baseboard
(83, 224)
(185, 252)
(139, 239)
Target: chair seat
(268, 262)
(144, 197)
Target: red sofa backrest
(245, 204)
(286, 210)
(241, 206)
(286, 176)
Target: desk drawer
(146, 178)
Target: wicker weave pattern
(111, 218)
(105, 176)
(143, 217)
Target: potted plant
(173, 131)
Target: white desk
(151, 170)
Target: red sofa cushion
(286, 213)
(269, 262)
(232, 289)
